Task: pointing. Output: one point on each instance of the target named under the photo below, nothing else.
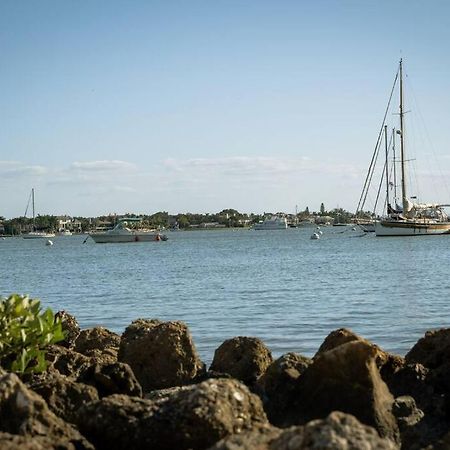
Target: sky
(197, 106)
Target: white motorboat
(127, 230)
(272, 223)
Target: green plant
(25, 332)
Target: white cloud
(103, 166)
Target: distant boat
(403, 216)
(272, 223)
(65, 233)
(127, 230)
(36, 234)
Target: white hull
(275, 223)
(410, 228)
(105, 238)
(38, 235)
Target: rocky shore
(148, 389)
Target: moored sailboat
(34, 234)
(403, 216)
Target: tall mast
(386, 166)
(393, 163)
(402, 144)
(32, 202)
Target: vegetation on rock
(25, 332)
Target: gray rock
(161, 354)
(70, 327)
(112, 378)
(244, 358)
(345, 379)
(25, 413)
(98, 342)
(194, 417)
(63, 395)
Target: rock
(98, 342)
(194, 417)
(279, 384)
(244, 358)
(406, 412)
(337, 338)
(25, 413)
(70, 327)
(10, 441)
(345, 379)
(432, 350)
(338, 431)
(112, 378)
(258, 439)
(66, 361)
(161, 354)
(63, 395)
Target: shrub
(25, 332)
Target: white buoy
(49, 242)
(320, 232)
(353, 229)
(315, 236)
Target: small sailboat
(36, 234)
(405, 217)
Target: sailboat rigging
(410, 218)
(35, 234)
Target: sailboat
(408, 218)
(36, 234)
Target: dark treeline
(228, 218)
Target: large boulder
(98, 342)
(25, 413)
(112, 378)
(63, 395)
(279, 384)
(194, 417)
(66, 361)
(432, 350)
(244, 358)
(161, 354)
(338, 431)
(345, 379)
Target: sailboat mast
(395, 171)
(32, 202)
(402, 143)
(386, 166)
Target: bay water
(280, 286)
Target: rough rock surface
(67, 362)
(63, 395)
(191, 418)
(25, 413)
(161, 354)
(112, 378)
(98, 342)
(10, 441)
(70, 327)
(280, 383)
(432, 350)
(244, 358)
(345, 379)
(338, 431)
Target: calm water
(280, 286)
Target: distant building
(66, 223)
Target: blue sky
(141, 106)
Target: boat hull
(37, 235)
(410, 228)
(100, 238)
